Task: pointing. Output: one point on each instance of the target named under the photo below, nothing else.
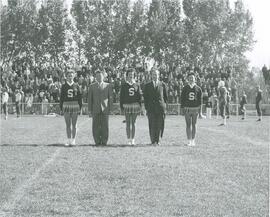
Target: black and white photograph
(134, 108)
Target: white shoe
(73, 143)
(129, 142)
(191, 143)
(133, 142)
(67, 144)
(188, 143)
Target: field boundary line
(8, 206)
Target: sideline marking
(8, 206)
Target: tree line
(121, 32)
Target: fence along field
(226, 174)
(172, 109)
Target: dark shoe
(259, 119)
(243, 118)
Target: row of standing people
(155, 100)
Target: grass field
(226, 174)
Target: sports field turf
(226, 174)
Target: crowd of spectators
(43, 84)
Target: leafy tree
(217, 34)
(17, 21)
(165, 29)
(58, 23)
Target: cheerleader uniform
(71, 98)
(130, 98)
(191, 99)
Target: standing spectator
(18, 101)
(209, 106)
(233, 89)
(5, 97)
(45, 105)
(170, 95)
(222, 101)
(204, 99)
(243, 102)
(228, 103)
(258, 103)
(29, 101)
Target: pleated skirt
(71, 107)
(132, 108)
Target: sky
(259, 9)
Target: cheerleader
(70, 105)
(191, 99)
(130, 103)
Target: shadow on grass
(85, 145)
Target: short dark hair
(190, 74)
(130, 70)
(98, 72)
(69, 71)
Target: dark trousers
(100, 128)
(228, 109)
(156, 126)
(5, 108)
(222, 108)
(18, 108)
(259, 110)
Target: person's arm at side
(90, 98)
(61, 98)
(200, 102)
(110, 97)
(183, 100)
(121, 97)
(165, 93)
(80, 97)
(145, 96)
(139, 96)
